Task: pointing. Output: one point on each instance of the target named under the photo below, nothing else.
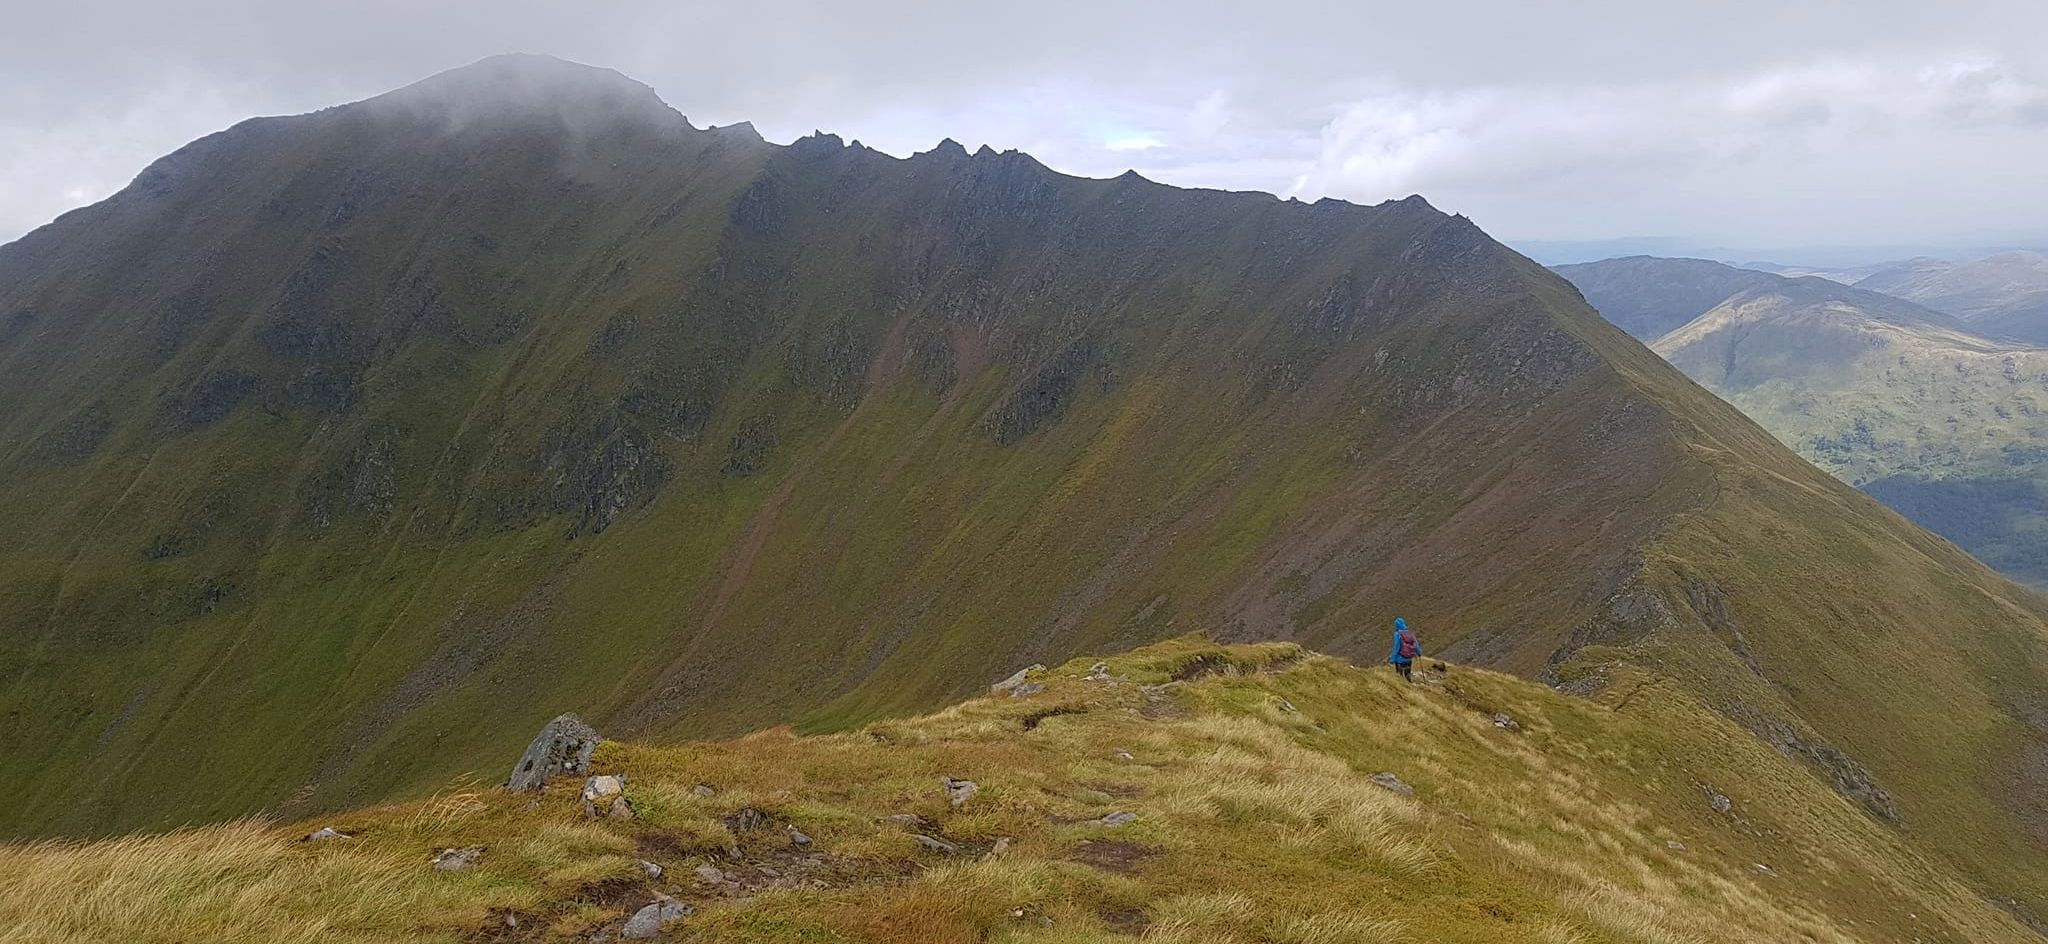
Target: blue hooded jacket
(1401, 626)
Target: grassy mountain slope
(1650, 296)
(1247, 770)
(340, 451)
(1938, 422)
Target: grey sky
(1732, 123)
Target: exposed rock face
(561, 749)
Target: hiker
(1406, 650)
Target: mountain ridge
(388, 441)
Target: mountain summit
(341, 451)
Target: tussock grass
(1257, 822)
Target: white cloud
(1912, 132)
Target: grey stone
(647, 921)
(460, 859)
(958, 791)
(622, 809)
(1099, 671)
(1026, 690)
(1675, 846)
(935, 844)
(711, 875)
(598, 788)
(1721, 804)
(798, 838)
(1118, 818)
(902, 819)
(602, 795)
(1505, 723)
(561, 749)
(1124, 756)
(325, 833)
(745, 820)
(653, 870)
(704, 790)
(1015, 680)
(1388, 780)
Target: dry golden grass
(1257, 822)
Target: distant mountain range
(1918, 408)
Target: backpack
(1408, 647)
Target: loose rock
(1118, 818)
(622, 809)
(653, 870)
(598, 791)
(647, 921)
(325, 833)
(746, 820)
(458, 859)
(1002, 845)
(958, 791)
(935, 844)
(797, 837)
(1125, 756)
(711, 875)
(1099, 671)
(561, 749)
(1388, 780)
(1721, 804)
(704, 790)
(1505, 723)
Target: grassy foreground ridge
(1249, 770)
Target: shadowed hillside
(341, 450)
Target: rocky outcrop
(561, 749)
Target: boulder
(1391, 782)
(1015, 680)
(1026, 690)
(561, 749)
(647, 922)
(1505, 723)
(458, 859)
(1720, 803)
(958, 791)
